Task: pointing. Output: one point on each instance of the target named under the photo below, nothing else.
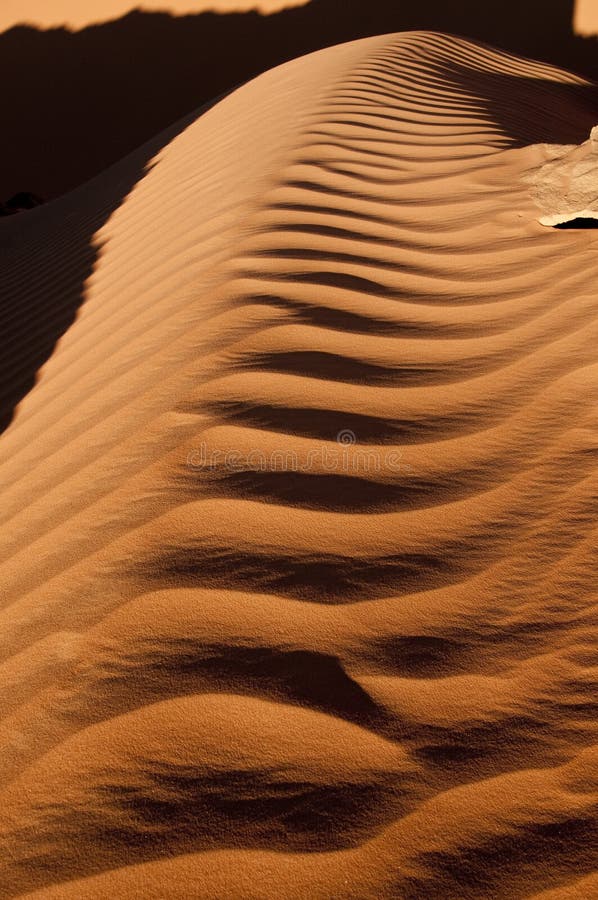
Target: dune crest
(299, 519)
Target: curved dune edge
(299, 521)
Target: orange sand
(298, 549)
(76, 14)
(585, 18)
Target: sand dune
(585, 17)
(299, 539)
(103, 90)
(73, 14)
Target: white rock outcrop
(566, 187)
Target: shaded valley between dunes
(298, 549)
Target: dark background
(72, 103)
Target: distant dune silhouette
(80, 101)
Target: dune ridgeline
(299, 498)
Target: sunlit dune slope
(299, 521)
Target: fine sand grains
(298, 546)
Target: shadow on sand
(46, 256)
(80, 101)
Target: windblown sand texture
(313, 669)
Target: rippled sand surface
(299, 521)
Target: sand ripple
(299, 554)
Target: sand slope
(299, 548)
